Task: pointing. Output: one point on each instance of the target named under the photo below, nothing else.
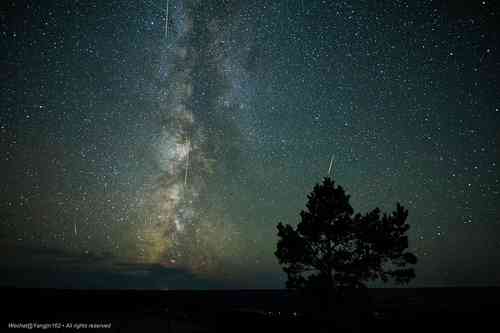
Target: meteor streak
(187, 161)
(152, 4)
(166, 22)
(331, 165)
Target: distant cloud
(27, 266)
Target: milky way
(190, 89)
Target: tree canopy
(332, 248)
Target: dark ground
(385, 310)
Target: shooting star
(166, 22)
(484, 55)
(153, 5)
(330, 167)
(187, 161)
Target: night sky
(140, 152)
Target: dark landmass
(388, 310)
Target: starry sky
(157, 144)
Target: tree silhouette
(331, 249)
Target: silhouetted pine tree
(332, 249)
